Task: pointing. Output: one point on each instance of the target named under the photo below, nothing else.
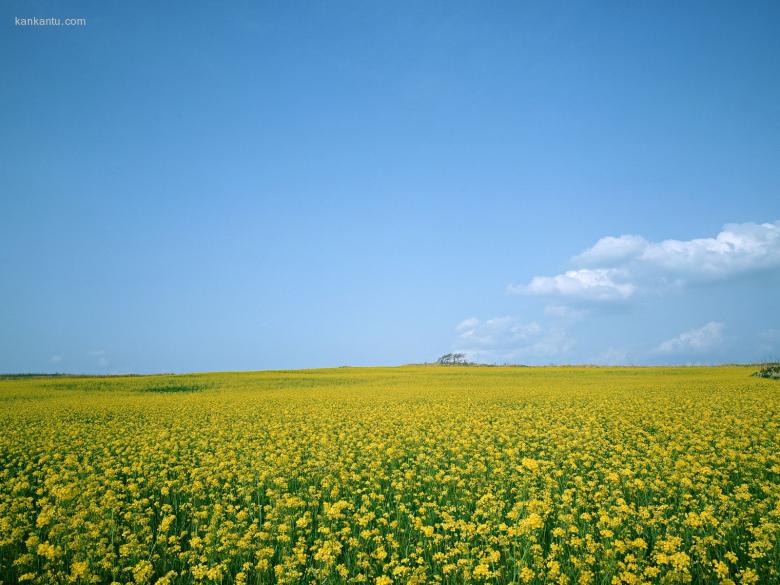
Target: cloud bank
(600, 284)
(594, 300)
(618, 268)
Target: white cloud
(55, 359)
(600, 284)
(498, 331)
(616, 268)
(698, 340)
(738, 248)
(610, 251)
(509, 340)
(467, 324)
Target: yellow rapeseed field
(393, 475)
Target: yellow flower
(46, 550)
(79, 570)
(142, 572)
(721, 569)
(527, 574)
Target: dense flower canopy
(393, 475)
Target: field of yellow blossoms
(393, 475)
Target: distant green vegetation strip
(175, 388)
(769, 372)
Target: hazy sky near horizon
(204, 186)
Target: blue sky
(302, 184)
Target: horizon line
(422, 364)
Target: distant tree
(452, 359)
(770, 371)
